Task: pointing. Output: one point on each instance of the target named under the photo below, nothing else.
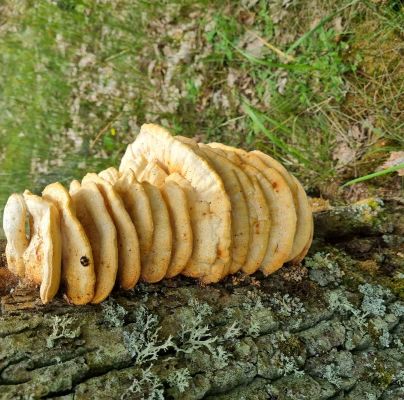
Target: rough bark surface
(329, 329)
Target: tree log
(331, 328)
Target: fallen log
(331, 328)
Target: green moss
(374, 333)
(383, 376)
(292, 346)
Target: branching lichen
(142, 339)
(179, 379)
(62, 329)
(232, 332)
(194, 335)
(220, 357)
(148, 387)
(113, 313)
(286, 305)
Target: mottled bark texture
(330, 329)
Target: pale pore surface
(137, 205)
(275, 164)
(240, 221)
(191, 143)
(180, 219)
(155, 263)
(111, 175)
(101, 232)
(303, 210)
(199, 223)
(153, 174)
(78, 272)
(136, 164)
(43, 256)
(128, 244)
(305, 223)
(14, 219)
(282, 213)
(301, 256)
(259, 243)
(257, 209)
(212, 238)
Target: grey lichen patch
(337, 367)
(297, 387)
(256, 389)
(113, 384)
(18, 324)
(374, 298)
(113, 313)
(323, 337)
(280, 354)
(324, 270)
(63, 328)
(364, 390)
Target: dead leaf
(396, 158)
(252, 44)
(343, 154)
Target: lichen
(142, 338)
(113, 313)
(179, 379)
(62, 328)
(147, 387)
(373, 302)
(323, 269)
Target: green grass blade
(257, 120)
(374, 175)
(255, 60)
(319, 26)
(291, 66)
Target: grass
(79, 77)
(375, 174)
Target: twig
(104, 129)
(270, 46)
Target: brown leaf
(396, 158)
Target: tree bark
(331, 328)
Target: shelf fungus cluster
(174, 207)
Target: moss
(383, 377)
(369, 267)
(374, 333)
(396, 285)
(292, 346)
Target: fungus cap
(14, 221)
(93, 215)
(212, 238)
(42, 257)
(128, 244)
(78, 272)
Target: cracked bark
(279, 352)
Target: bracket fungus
(174, 207)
